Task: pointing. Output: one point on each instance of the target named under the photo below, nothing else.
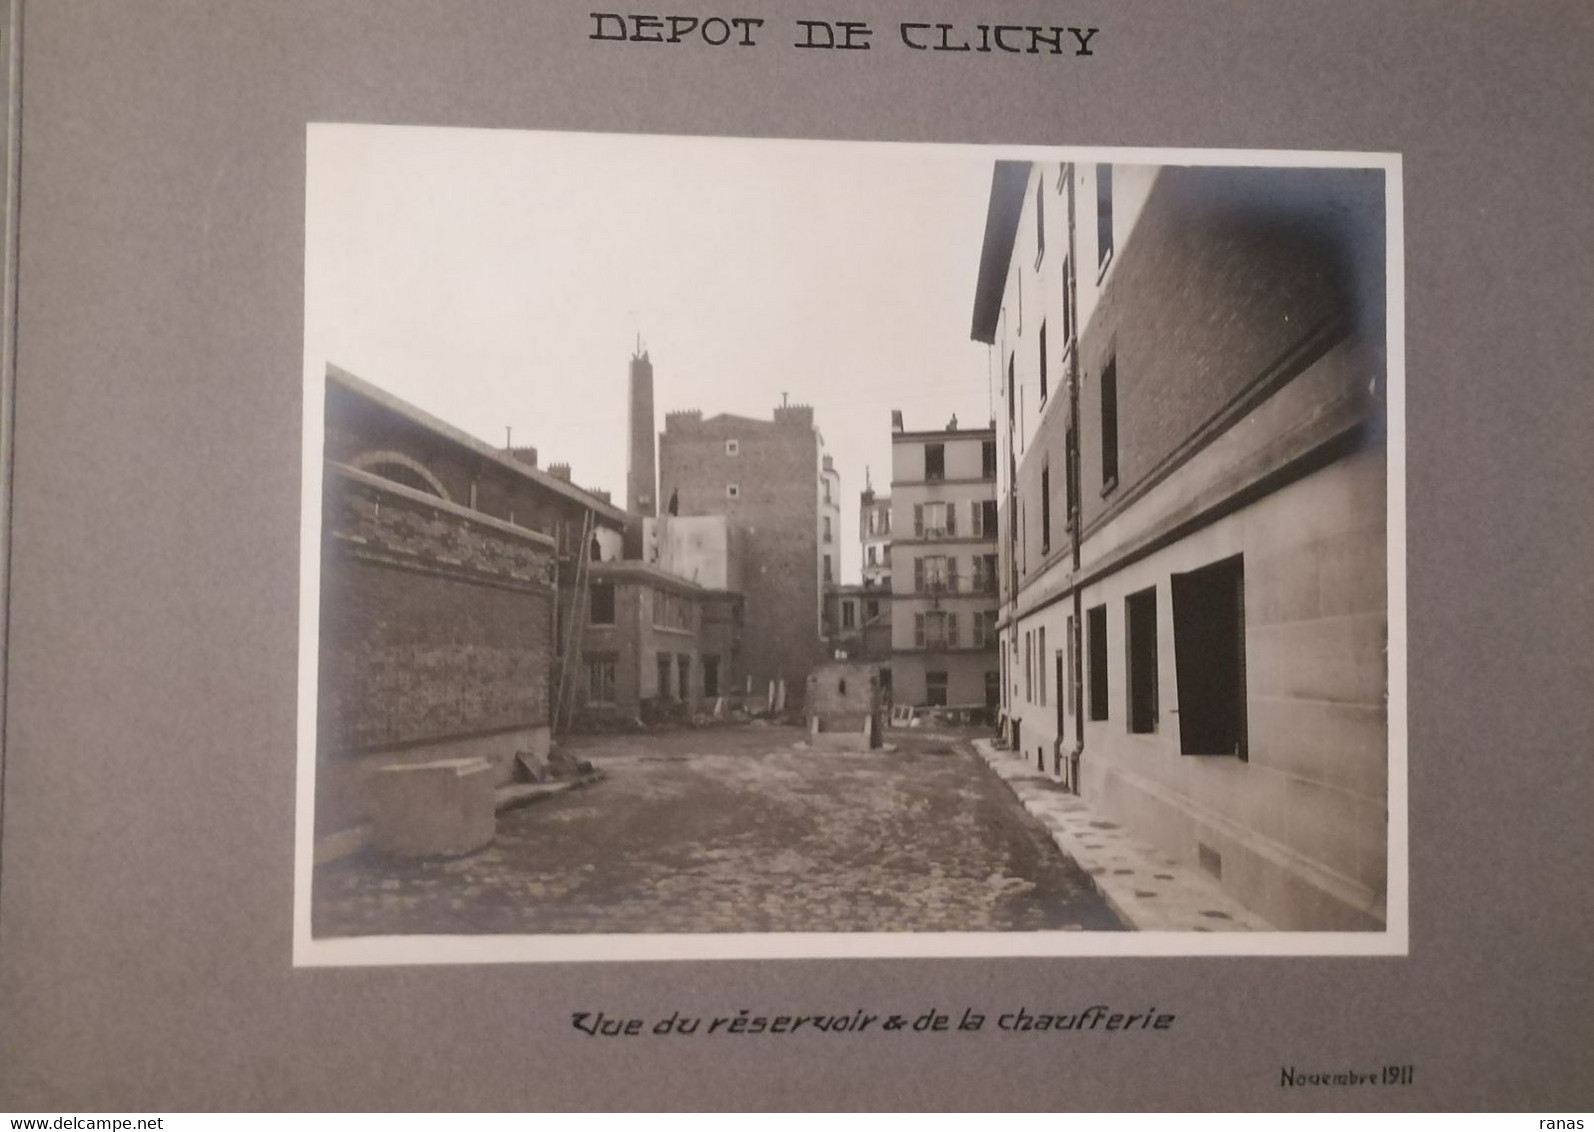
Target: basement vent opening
(1210, 859)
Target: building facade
(448, 580)
(858, 624)
(655, 643)
(1190, 369)
(943, 568)
(829, 523)
(768, 479)
(874, 538)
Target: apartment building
(943, 556)
(874, 538)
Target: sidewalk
(1148, 889)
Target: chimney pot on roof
(559, 471)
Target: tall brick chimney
(641, 471)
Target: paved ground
(1149, 890)
(739, 829)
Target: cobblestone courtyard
(738, 829)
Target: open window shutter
(918, 630)
(918, 575)
(951, 630)
(918, 520)
(951, 518)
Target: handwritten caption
(749, 1023)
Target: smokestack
(641, 473)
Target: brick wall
(433, 625)
(1228, 272)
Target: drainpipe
(1073, 497)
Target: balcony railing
(954, 584)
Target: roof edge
(1009, 179)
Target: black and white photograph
(738, 548)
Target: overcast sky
(501, 278)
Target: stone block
(440, 808)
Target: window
(829, 536)
(871, 556)
(1040, 665)
(828, 576)
(1029, 667)
(683, 664)
(1096, 664)
(601, 603)
(1109, 426)
(934, 520)
(1023, 535)
(733, 491)
(987, 518)
(1209, 658)
(871, 609)
(1012, 396)
(733, 448)
(988, 459)
(826, 485)
(934, 461)
(1040, 220)
(1103, 215)
(1140, 659)
(935, 689)
(935, 630)
(1046, 507)
(711, 676)
(985, 573)
(934, 573)
(1043, 363)
(1061, 692)
(600, 679)
(671, 611)
(664, 666)
(849, 615)
(985, 629)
